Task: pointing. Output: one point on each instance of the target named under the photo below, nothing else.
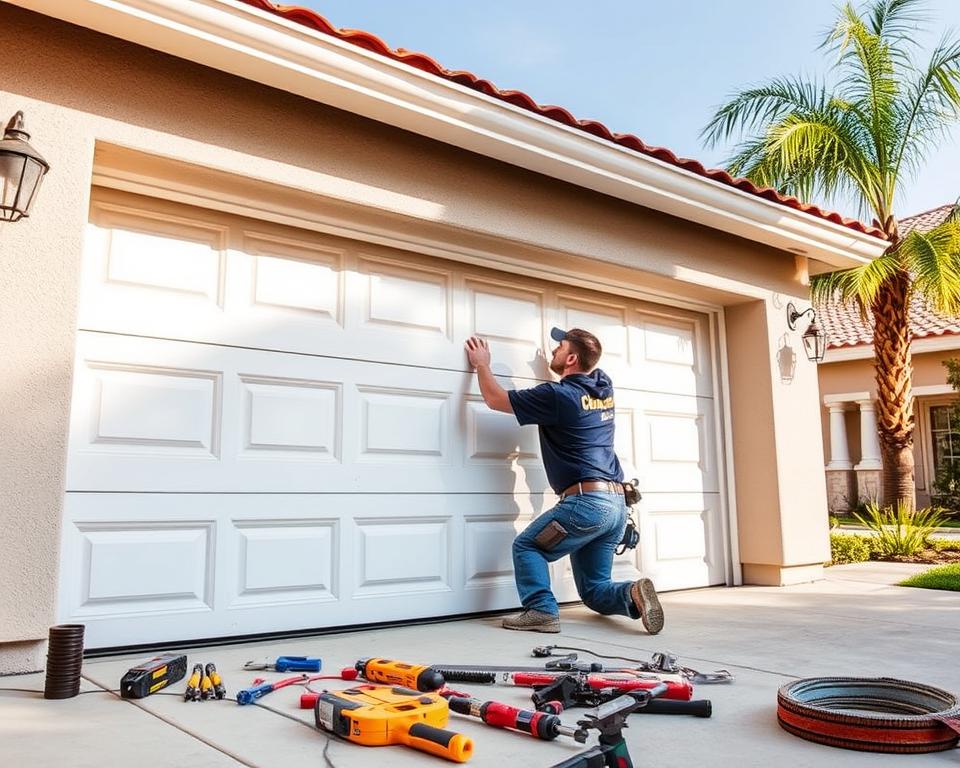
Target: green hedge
(847, 548)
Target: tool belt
(587, 486)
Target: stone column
(839, 449)
(841, 486)
(870, 468)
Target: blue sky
(657, 69)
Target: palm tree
(859, 139)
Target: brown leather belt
(586, 486)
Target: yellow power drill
(378, 715)
(390, 672)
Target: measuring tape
(870, 714)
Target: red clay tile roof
(843, 324)
(370, 42)
(924, 222)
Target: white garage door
(275, 430)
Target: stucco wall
(81, 90)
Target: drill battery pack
(152, 675)
(378, 715)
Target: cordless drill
(389, 672)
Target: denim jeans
(594, 523)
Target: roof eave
(274, 51)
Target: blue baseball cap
(558, 334)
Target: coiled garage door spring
(870, 714)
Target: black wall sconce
(814, 338)
(21, 171)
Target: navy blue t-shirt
(575, 416)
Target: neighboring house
(849, 392)
(235, 395)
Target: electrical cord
(288, 716)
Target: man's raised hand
(478, 352)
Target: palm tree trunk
(894, 375)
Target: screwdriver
(540, 725)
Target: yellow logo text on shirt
(595, 404)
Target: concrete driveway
(853, 623)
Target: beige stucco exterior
(109, 112)
(841, 377)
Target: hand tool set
(409, 704)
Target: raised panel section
(406, 298)
(402, 555)
(494, 437)
(287, 277)
(674, 437)
(139, 568)
(139, 408)
(283, 561)
(401, 424)
(506, 314)
(154, 261)
(292, 416)
(609, 325)
(668, 344)
(624, 443)
(680, 536)
(488, 549)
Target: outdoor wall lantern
(21, 171)
(814, 338)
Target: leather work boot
(644, 596)
(533, 621)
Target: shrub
(900, 531)
(847, 548)
(945, 545)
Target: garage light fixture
(814, 338)
(21, 171)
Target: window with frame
(945, 434)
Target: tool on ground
(206, 687)
(390, 672)
(540, 725)
(667, 663)
(678, 689)
(610, 719)
(218, 688)
(193, 684)
(378, 715)
(579, 690)
(152, 675)
(870, 714)
(261, 688)
(286, 664)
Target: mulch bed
(931, 556)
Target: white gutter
(265, 48)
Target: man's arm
(495, 396)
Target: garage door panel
(127, 568)
(208, 565)
(680, 539)
(253, 421)
(286, 561)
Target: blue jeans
(594, 523)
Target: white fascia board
(268, 49)
(918, 346)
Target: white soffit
(268, 49)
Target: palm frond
(897, 20)
(929, 104)
(859, 285)
(750, 109)
(933, 258)
(869, 78)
